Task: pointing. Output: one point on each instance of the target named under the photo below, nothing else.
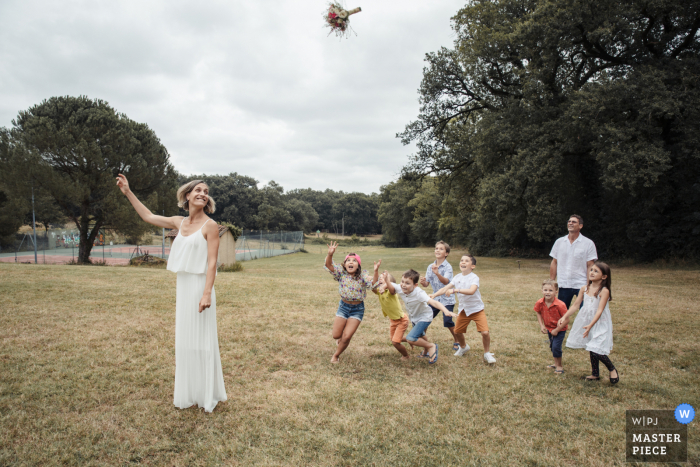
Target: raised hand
(424, 282)
(435, 269)
(123, 183)
(332, 247)
(377, 264)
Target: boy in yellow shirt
(391, 307)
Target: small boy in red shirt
(549, 310)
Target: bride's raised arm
(143, 211)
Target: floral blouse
(351, 288)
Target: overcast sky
(254, 87)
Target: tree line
(67, 151)
(544, 109)
(540, 110)
(240, 202)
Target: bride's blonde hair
(186, 189)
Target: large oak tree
(545, 108)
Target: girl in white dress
(592, 329)
(198, 375)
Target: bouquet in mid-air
(338, 19)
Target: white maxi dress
(198, 375)
(600, 337)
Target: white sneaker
(462, 350)
(488, 356)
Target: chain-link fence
(61, 246)
(254, 244)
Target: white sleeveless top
(189, 253)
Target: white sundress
(198, 375)
(600, 337)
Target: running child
(391, 308)
(418, 305)
(471, 307)
(549, 310)
(353, 283)
(438, 275)
(592, 328)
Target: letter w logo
(684, 413)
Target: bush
(235, 267)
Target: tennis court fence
(61, 246)
(255, 244)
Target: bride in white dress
(198, 375)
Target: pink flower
(332, 15)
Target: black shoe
(615, 380)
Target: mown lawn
(87, 366)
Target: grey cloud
(250, 87)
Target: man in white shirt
(572, 257)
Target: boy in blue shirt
(438, 275)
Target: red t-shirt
(552, 314)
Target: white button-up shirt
(572, 272)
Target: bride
(198, 375)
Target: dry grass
(87, 365)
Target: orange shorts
(397, 329)
(463, 321)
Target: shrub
(235, 267)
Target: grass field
(87, 366)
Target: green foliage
(235, 267)
(239, 201)
(235, 231)
(10, 217)
(395, 214)
(72, 148)
(543, 109)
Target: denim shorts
(347, 311)
(417, 331)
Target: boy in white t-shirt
(418, 305)
(471, 307)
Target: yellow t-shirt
(391, 305)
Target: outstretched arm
(574, 306)
(470, 291)
(442, 291)
(143, 211)
(375, 278)
(329, 256)
(389, 285)
(441, 307)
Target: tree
(304, 217)
(543, 109)
(73, 148)
(321, 201)
(395, 214)
(237, 197)
(359, 212)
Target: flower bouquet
(338, 19)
